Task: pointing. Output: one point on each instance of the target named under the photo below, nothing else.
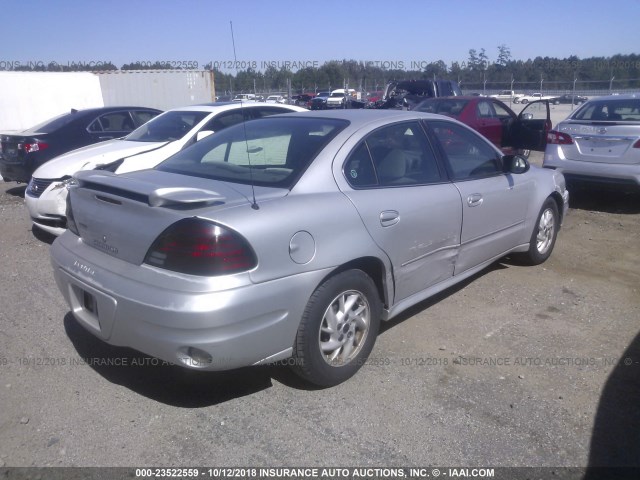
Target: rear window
(168, 127)
(53, 124)
(610, 110)
(444, 107)
(270, 152)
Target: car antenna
(254, 204)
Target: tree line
(478, 71)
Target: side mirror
(202, 134)
(515, 164)
(527, 116)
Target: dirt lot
(520, 366)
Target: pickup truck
(345, 99)
(531, 97)
(504, 95)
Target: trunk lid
(13, 150)
(122, 215)
(603, 142)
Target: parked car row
(145, 147)
(510, 95)
(22, 153)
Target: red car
(495, 121)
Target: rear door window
(112, 122)
(396, 155)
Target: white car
(275, 99)
(338, 97)
(531, 97)
(145, 147)
(505, 95)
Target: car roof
(221, 106)
(623, 96)
(87, 111)
(364, 116)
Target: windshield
(610, 110)
(168, 127)
(270, 152)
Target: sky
(405, 33)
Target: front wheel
(543, 237)
(338, 329)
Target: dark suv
(23, 152)
(405, 94)
(319, 102)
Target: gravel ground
(519, 366)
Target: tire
(524, 101)
(543, 237)
(338, 329)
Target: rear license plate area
(89, 303)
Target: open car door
(529, 131)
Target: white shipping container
(28, 98)
(162, 89)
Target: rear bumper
(14, 172)
(616, 174)
(122, 304)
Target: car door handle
(474, 200)
(389, 218)
(105, 138)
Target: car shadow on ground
(615, 440)
(44, 237)
(161, 381)
(17, 191)
(607, 201)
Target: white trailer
(28, 98)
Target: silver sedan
(292, 237)
(599, 143)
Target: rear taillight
(200, 247)
(33, 146)
(637, 144)
(558, 138)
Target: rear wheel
(338, 329)
(543, 237)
